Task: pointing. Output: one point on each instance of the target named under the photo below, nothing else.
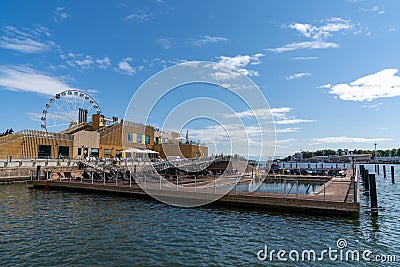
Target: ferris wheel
(63, 110)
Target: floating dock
(339, 195)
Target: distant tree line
(324, 152)
(380, 153)
(329, 152)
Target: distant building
(346, 152)
(298, 156)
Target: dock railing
(234, 185)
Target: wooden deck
(335, 196)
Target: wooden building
(35, 144)
(96, 139)
(181, 150)
(125, 135)
(86, 143)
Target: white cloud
(298, 75)
(376, 106)
(103, 63)
(60, 14)
(323, 31)
(375, 9)
(304, 58)
(140, 15)
(291, 121)
(27, 41)
(206, 39)
(21, 78)
(238, 63)
(26, 46)
(125, 67)
(236, 87)
(287, 130)
(85, 62)
(378, 10)
(384, 83)
(224, 75)
(93, 91)
(234, 138)
(280, 115)
(342, 139)
(169, 42)
(166, 43)
(281, 110)
(260, 113)
(158, 62)
(304, 45)
(325, 86)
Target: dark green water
(54, 228)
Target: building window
(139, 138)
(63, 151)
(130, 137)
(44, 152)
(147, 139)
(79, 151)
(94, 152)
(107, 152)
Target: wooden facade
(86, 143)
(182, 150)
(108, 141)
(125, 135)
(34, 144)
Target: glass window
(44, 152)
(138, 138)
(63, 151)
(94, 152)
(107, 152)
(147, 139)
(130, 137)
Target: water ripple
(62, 228)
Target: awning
(148, 151)
(140, 151)
(135, 150)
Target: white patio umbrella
(148, 151)
(135, 150)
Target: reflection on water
(64, 228)
(280, 187)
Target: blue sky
(328, 69)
